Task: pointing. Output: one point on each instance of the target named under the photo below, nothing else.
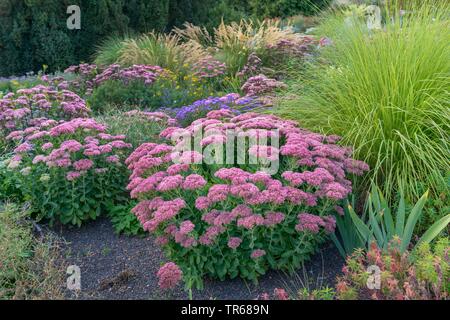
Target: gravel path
(120, 267)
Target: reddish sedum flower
(234, 242)
(169, 275)
(280, 294)
(233, 208)
(258, 253)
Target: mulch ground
(121, 267)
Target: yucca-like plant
(382, 225)
(386, 92)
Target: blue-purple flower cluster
(232, 102)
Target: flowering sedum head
(74, 169)
(228, 219)
(27, 107)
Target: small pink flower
(47, 146)
(113, 159)
(234, 242)
(202, 203)
(72, 175)
(281, 294)
(194, 181)
(258, 253)
(186, 227)
(83, 165)
(169, 275)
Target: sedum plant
(22, 109)
(235, 219)
(70, 171)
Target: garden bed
(121, 267)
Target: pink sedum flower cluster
(147, 74)
(240, 211)
(74, 168)
(83, 81)
(261, 85)
(24, 108)
(169, 275)
(208, 67)
(297, 47)
(77, 155)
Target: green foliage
(437, 206)
(386, 93)
(167, 91)
(346, 237)
(138, 128)
(123, 221)
(325, 293)
(382, 225)
(9, 190)
(31, 268)
(146, 16)
(285, 8)
(113, 93)
(34, 33)
(109, 50)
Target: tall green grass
(110, 50)
(385, 92)
(164, 50)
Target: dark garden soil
(121, 267)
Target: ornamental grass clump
(70, 170)
(386, 93)
(233, 218)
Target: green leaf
(363, 230)
(387, 216)
(411, 222)
(338, 245)
(400, 221)
(434, 230)
(376, 229)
